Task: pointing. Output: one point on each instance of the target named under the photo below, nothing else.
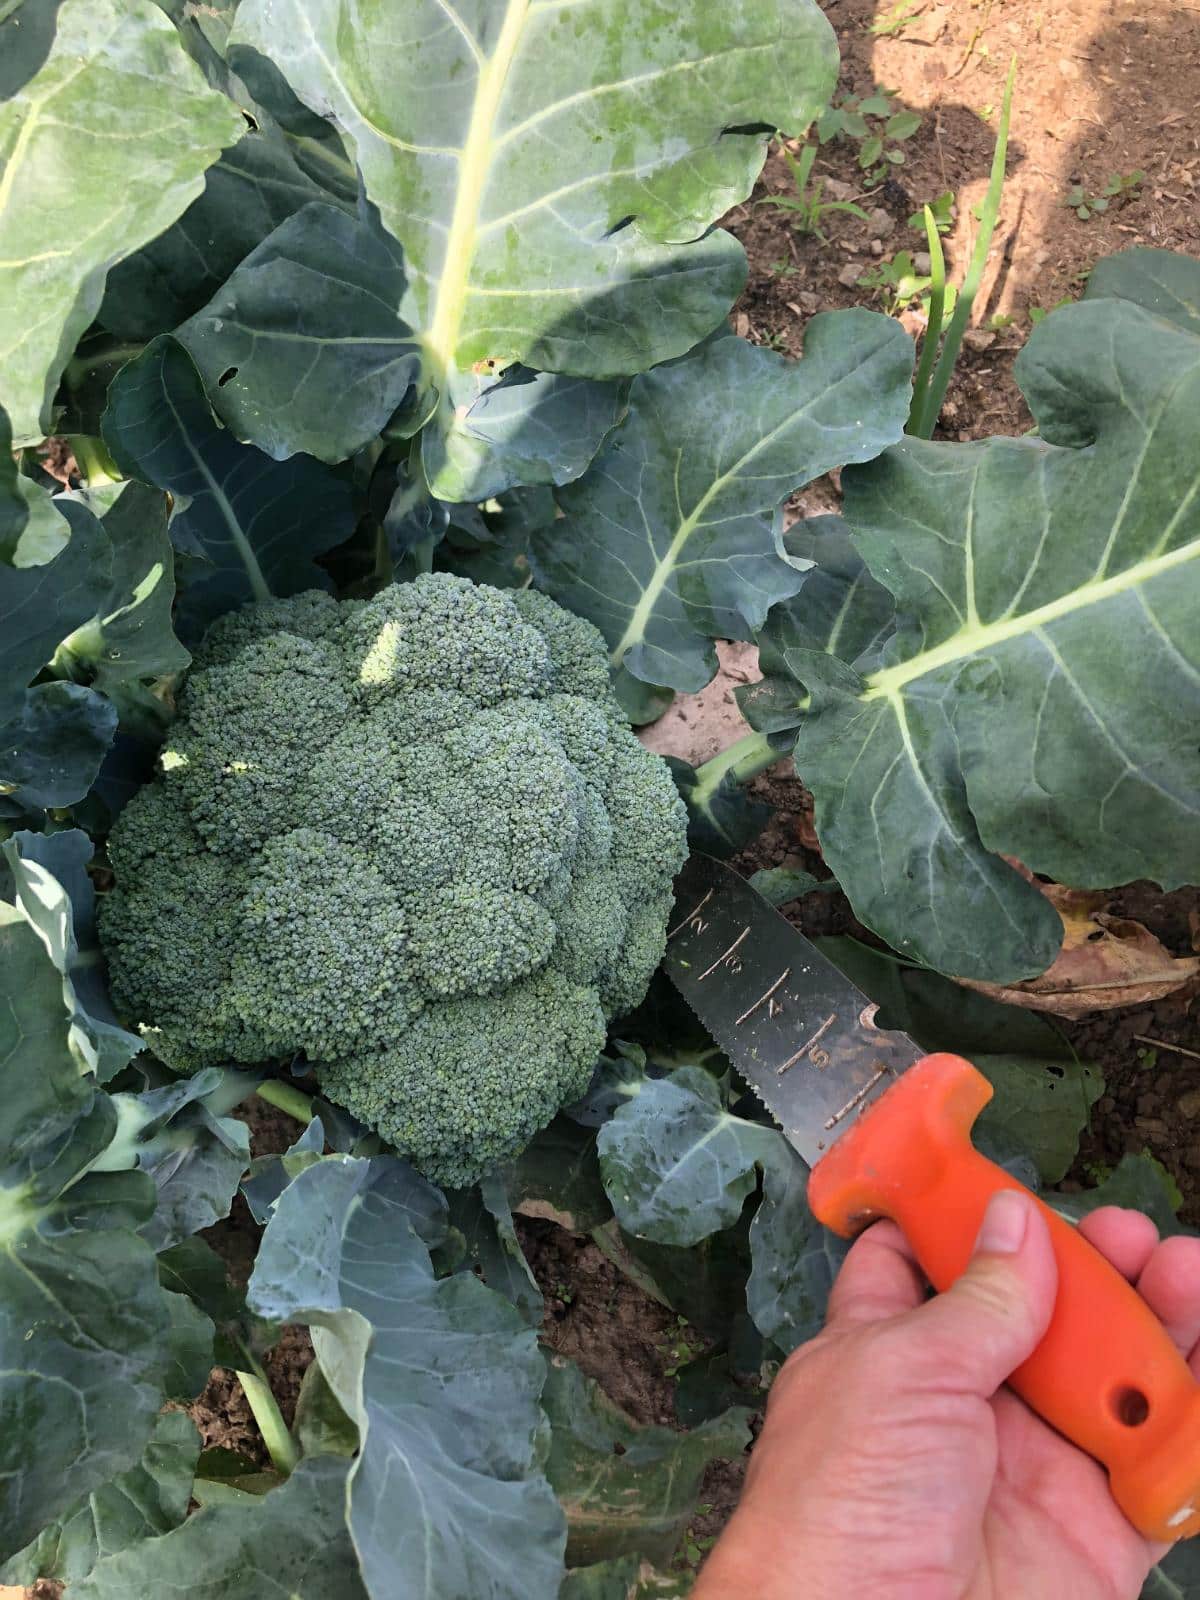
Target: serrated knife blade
(796, 1028)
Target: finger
(1127, 1238)
(1170, 1285)
(991, 1319)
(879, 1278)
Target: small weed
(1000, 320)
(561, 1292)
(674, 1349)
(806, 205)
(1148, 1057)
(876, 126)
(891, 23)
(898, 284)
(782, 268)
(1121, 186)
(943, 213)
(774, 339)
(695, 1546)
(1040, 313)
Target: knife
(886, 1130)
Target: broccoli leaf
(312, 311)
(248, 191)
(118, 105)
(145, 1501)
(195, 1155)
(49, 881)
(83, 1322)
(524, 428)
(441, 1377)
(554, 171)
(483, 1217)
(256, 523)
(52, 736)
(1162, 281)
(669, 540)
(677, 1167)
(1004, 717)
(130, 641)
(292, 1541)
(635, 1499)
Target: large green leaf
(83, 1321)
(292, 1542)
(668, 541)
(257, 523)
(1040, 695)
(626, 1490)
(52, 736)
(145, 1501)
(542, 164)
(248, 191)
(120, 107)
(312, 315)
(441, 1377)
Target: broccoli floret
(473, 1079)
(411, 839)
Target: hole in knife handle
(1130, 1406)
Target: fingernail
(1004, 1223)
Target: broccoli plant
(411, 463)
(413, 840)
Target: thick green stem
(284, 1097)
(922, 426)
(742, 761)
(95, 464)
(281, 1447)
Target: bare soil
(1103, 90)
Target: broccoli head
(413, 840)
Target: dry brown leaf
(1105, 962)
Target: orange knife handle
(1106, 1374)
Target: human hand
(893, 1464)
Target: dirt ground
(1105, 89)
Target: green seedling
(1040, 313)
(774, 339)
(878, 128)
(1120, 186)
(806, 205)
(894, 21)
(897, 282)
(782, 268)
(941, 210)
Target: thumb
(992, 1318)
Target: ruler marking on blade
(688, 921)
(808, 1045)
(724, 956)
(722, 960)
(855, 1100)
(774, 1007)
